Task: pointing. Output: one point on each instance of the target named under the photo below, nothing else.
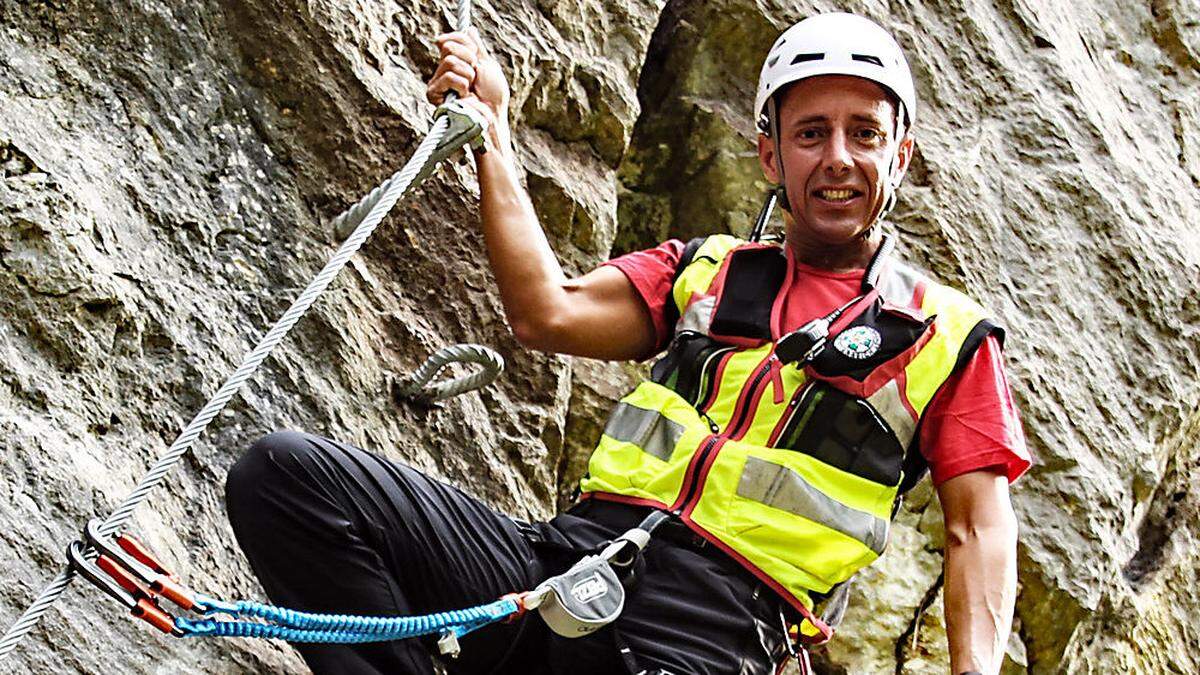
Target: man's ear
(766, 158)
(904, 155)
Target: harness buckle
(794, 645)
(791, 636)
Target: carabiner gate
(124, 589)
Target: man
(803, 389)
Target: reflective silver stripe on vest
(781, 488)
(886, 402)
(650, 430)
(698, 315)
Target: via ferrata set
(583, 599)
(586, 597)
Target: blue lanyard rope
(294, 626)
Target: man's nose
(837, 159)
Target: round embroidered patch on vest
(860, 342)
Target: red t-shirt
(970, 424)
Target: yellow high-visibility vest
(795, 472)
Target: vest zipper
(798, 403)
(750, 403)
(689, 478)
(693, 479)
(705, 400)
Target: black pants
(331, 528)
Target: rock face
(170, 168)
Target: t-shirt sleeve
(652, 273)
(972, 422)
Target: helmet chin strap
(773, 118)
(778, 193)
(889, 199)
(893, 183)
(764, 214)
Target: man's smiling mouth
(839, 195)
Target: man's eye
(810, 134)
(872, 135)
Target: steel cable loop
(417, 385)
(387, 198)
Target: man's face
(837, 138)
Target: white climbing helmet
(836, 44)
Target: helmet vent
(801, 58)
(773, 60)
(868, 59)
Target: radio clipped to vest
(805, 344)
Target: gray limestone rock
(168, 171)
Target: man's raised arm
(598, 315)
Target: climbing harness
(455, 125)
